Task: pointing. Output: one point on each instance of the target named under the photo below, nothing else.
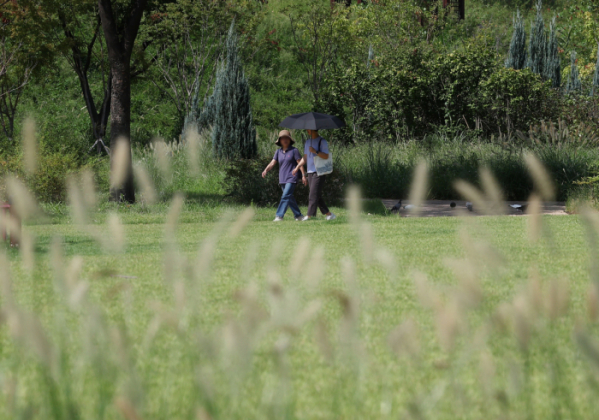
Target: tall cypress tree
(595, 86)
(537, 49)
(517, 54)
(553, 68)
(574, 84)
(228, 110)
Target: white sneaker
(305, 218)
(278, 219)
(331, 216)
(299, 218)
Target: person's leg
(293, 204)
(284, 203)
(313, 198)
(321, 204)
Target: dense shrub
(48, 184)
(417, 92)
(510, 100)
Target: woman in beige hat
(288, 158)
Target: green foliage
(511, 100)
(517, 52)
(48, 184)
(233, 132)
(420, 91)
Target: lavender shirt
(287, 163)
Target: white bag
(323, 166)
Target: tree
(574, 84)
(517, 52)
(553, 68)
(317, 33)
(233, 132)
(22, 49)
(16, 68)
(81, 28)
(189, 38)
(537, 49)
(120, 24)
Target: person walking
(315, 146)
(288, 158)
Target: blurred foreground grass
(382, 317)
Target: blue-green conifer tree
(537, 50)
(553, 68)
(574, 84)
(517, 54)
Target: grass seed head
(486, 369)
(323, 339)
(427, 295)
(404, 339)
(449, 324)
(471, 193)
(174, 213)
(30, 146)
(558, 299)
(523, 320)
(121, 162)
(493, 192)
(192, 141)
(23, 202)
(535, 219)
(419, 187)
(26, 248)
(315, 269)
(162, 154)
(540, 176)
(354, 202)
(145, 183)
(593, 302)
(5, 281)
(242, 221)
(117, 233)
(302, 250)
(77, 205)
(88, 186)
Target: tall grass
(84, 361)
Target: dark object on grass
(469, 206)
(521, 207)
(312, 121)
(396, 207)
(452, 205)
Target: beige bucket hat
(284, 133)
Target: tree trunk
(120, 123)
(120, 35)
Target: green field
(224, 320)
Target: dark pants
(316, 183)
(288, 201)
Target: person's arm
(300, 165)
(321, 154)
(269, 168)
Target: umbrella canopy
(312, 121)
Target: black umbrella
(312, 121)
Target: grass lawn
(299, 320)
